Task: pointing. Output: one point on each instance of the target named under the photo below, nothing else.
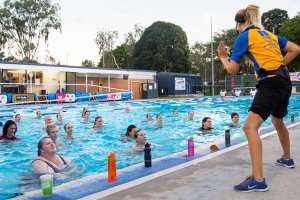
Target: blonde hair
(251, 15)
(49, 127)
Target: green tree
(200, 59)
(273, 19)
(291, 30)
(123, 56)
(162, 47)
(105, 41)
(124, 52)
(87, 63)
(25, 23)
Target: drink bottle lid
(227, 128)
(147, 145)
(112, 154)
(190, 138)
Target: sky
(81, 19)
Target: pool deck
(214, 178)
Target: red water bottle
(190, 146)
(111, 165)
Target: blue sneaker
(252, 185)
(287, 163)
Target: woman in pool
(18, 118)
(148, 118)
(159, 121)
(127, 109)
(9, 131)
(48, 120)
(175, 113)
(83, 111)
(141, 139)
(86, 116)
(48, 162)
(52, 131)
(206, 124)
(190, 116)
(39, 114)
(68, 127)
(131, 130)
(98, 123)
(59, 119)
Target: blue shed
(170, 83)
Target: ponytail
(249, 16)
(252, 16)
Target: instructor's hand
(222, 50)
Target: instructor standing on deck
(263, 51)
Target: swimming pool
(89, 151)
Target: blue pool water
(90, 148)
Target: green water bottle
(292, 117)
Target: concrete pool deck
(214, 178)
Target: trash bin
(44, 92)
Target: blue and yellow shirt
(261, 48)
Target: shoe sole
(281, 164)
(253, 190)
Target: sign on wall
(22, 97)
(179, 83)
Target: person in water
(98, 123)
(69, 129)
(190, 116)
(148, 118)
(131, 130)
(48, 162)
(141, 140)
(52, 131)
(18, 118)
(234, 120)
(9, 131)
(206, 124)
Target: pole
(212, 59)
(30, 77)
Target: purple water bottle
(190, 146)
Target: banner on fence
(113, 96)
(3, 99)
(295, 76)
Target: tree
(291, 30)
(123, 56)
(105, 41)
(124, 52)
(87, 63)
(162, 47)
(273, 19)
(200, 59)
(25, 23)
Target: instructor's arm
(231, 66)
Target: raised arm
(231, 66)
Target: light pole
(212, 58)
(30, 77)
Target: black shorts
(272, 97)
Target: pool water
(90, 148)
